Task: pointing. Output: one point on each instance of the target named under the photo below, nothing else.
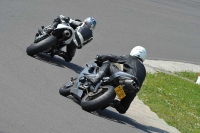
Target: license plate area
(120, 92)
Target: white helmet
(139, 52)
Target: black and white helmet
(90, 22)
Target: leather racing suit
(83, 35)
(131, 65)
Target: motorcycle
(91, 97)
(47, 40)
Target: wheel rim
(93, 95)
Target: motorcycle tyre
(35, 48)
(64, 91)
(100, 102)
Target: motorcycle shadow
(56, 61)
(110, 114)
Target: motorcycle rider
(83, 35)
(132, 64)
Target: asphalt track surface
(29, 97)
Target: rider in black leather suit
(83, 35)
(132, 64)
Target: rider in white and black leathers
(83, 35)
(132, 64)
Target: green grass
(174, 99)
(189, 75)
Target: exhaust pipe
(66, 33)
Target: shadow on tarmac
(121, 119)
(56, 61)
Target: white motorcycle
(47, 40)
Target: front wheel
(94, 101)
(35, 48)
(65, 89)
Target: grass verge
(174, 99)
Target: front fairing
(76, 87)
(63, 26)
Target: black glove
(66, 19)
(99, 58)
(57, 19)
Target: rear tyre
(41, 46)
(94, 101)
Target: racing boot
(54, 52)
(65, 56)
(119, 107)
(102, 72)
(50, 28)
(53, 25)
(60, 53)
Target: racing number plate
(120, 92)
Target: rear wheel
(35, 48)
(94, 101)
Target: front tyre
(41, 46)
(94, 101)
(65, 89)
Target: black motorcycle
(91, 97)
(47, 38)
